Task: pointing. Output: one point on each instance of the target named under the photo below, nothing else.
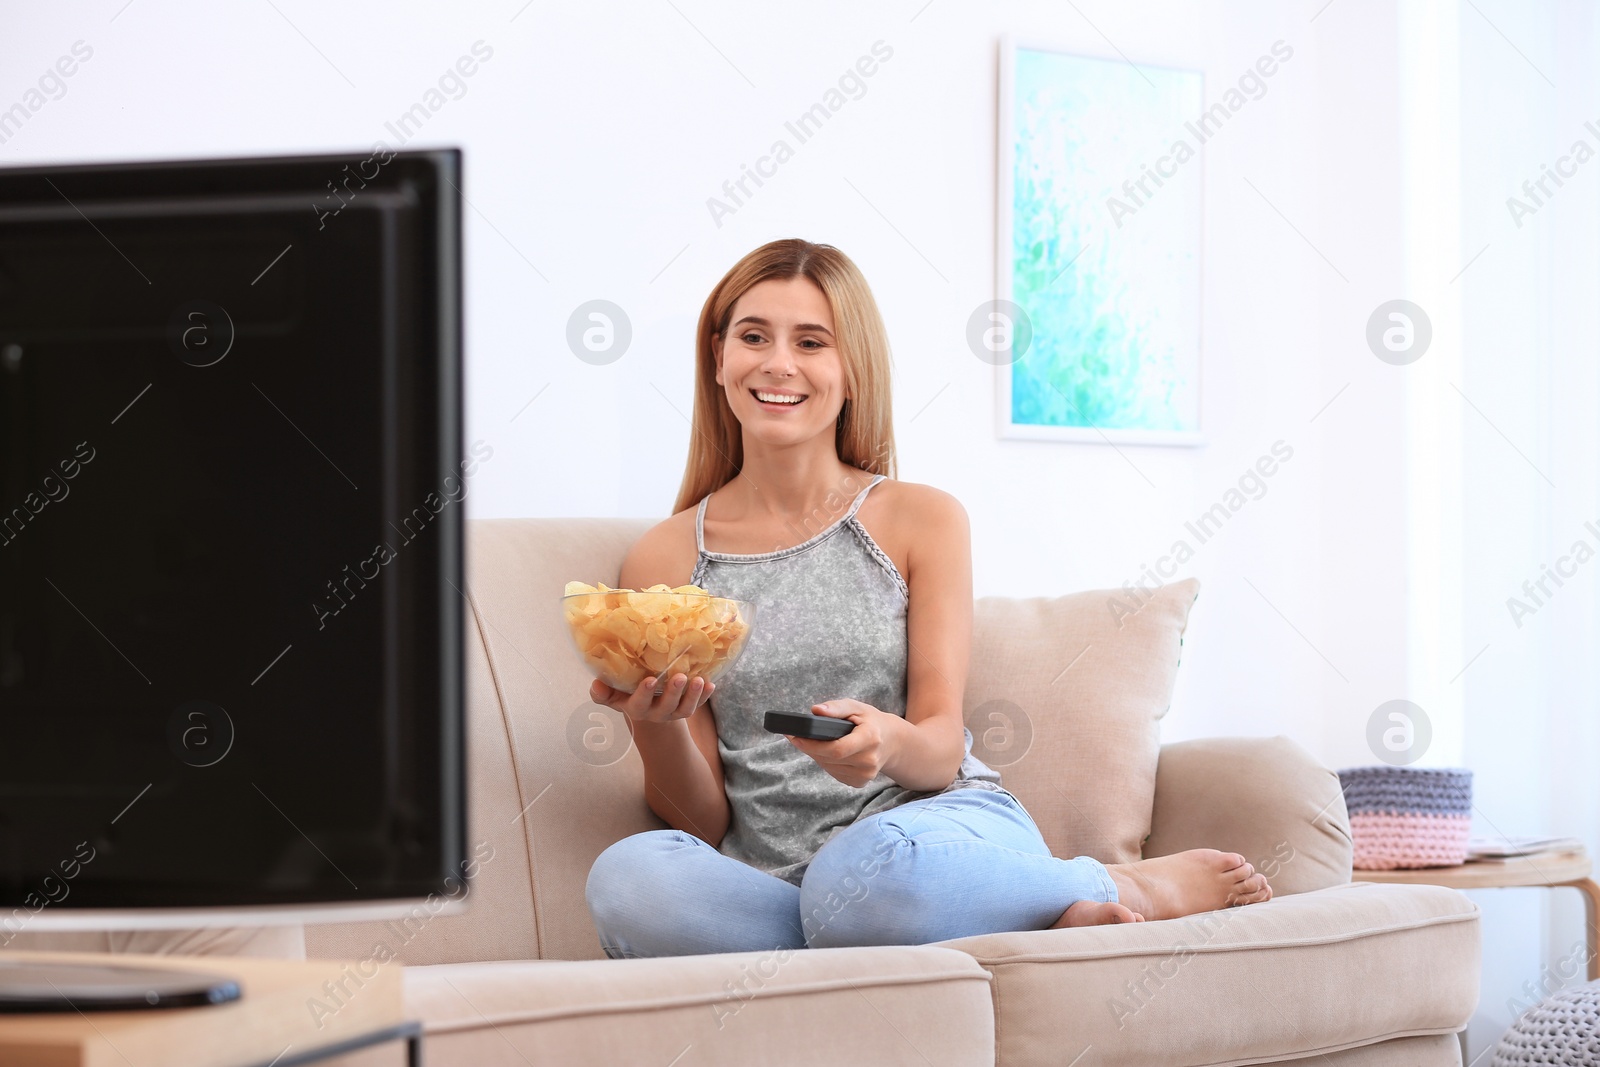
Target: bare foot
(1094, 913)
(1201, 879)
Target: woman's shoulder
(913, 503)
(921, 527)
(667, 552)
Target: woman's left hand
(859, 756)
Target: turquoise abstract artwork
(1101, 180)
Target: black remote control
(815, 727)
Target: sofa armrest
(1263, 797)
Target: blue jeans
(970, 861)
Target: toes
(1229, 860)
(1254, 890)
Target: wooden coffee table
(1568, 867)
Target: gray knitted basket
(1564, 1030)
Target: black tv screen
(231, 481)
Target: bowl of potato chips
(624, 636)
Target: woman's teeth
(777, 398)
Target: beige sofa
(1066, 695)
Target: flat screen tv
(231, 482)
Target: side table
(1567, 867)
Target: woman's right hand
(679, 698)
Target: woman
(894, 833)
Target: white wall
(1530, 335)
(596, 133)
(595, 136)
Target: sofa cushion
(1312, 973)
(579, 784)
(1063, 698)
(808, 1006)
(493, 915)
(1432, 1050)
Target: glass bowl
(624, 636)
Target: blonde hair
(864, 436)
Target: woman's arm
(683, 781)
(923, 750)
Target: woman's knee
(629, 867)
(855, 890)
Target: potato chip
(625, 635)
(627, 624)
(655, 660)
(658, 636)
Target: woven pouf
(1408, 816)
(1564, 1029)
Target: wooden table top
(1544, 868)
(274, 1015)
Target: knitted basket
(1563, 1030)
(1408, 816)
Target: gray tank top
(830, 622)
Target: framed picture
(1097, 314)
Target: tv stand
(34, 986)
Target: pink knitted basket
(1408, 816)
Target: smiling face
(780, 346)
